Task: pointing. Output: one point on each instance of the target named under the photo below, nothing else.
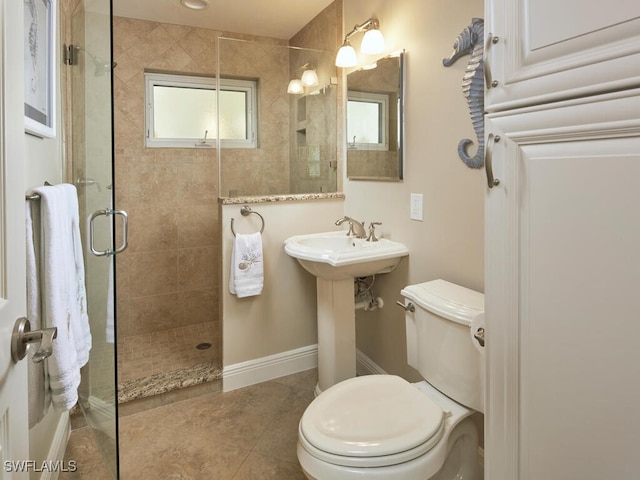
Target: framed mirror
(375, 120)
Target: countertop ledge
(280, 198)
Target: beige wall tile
(153, 273)
(154, 313)
(196, 268)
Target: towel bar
(245, 211)
(36, 196)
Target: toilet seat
(374, 420)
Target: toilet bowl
(383, 427)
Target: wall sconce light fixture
(295, 87)
(309, 78)
(372, 43)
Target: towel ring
(245, 211)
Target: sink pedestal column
(336, 332)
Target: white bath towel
(247, 273)
(63, 294)
(39, 393)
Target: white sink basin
(335, 256)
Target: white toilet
(383, 427)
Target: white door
(14, 432)
(548, 50)
(562, 281)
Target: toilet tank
(439, 343)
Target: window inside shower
(182, 111)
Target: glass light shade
(372, 42)
(346, 56)
(309, 78)
(295, 86)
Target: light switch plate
(415, 209)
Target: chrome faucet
(356, 228)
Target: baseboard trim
(366, 366)
(103, 412)
(267, 368)
(58, 447)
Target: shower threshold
(164, 382)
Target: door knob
(23, 335)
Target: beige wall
(449, 242)
(283, 317)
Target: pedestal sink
(336, 259)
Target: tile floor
(158, 352)
(250, 433)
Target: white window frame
(383, 120)
(209, 83)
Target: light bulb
(309, 78)
(372, 42)
(295, 87)
(346, 56)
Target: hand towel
(247, 274)
(63, 293)
(39, 394)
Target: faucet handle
(350, 232)
(372, 232)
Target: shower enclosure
(89, 151)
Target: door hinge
(70, 55)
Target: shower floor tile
(144, 355)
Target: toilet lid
(371, 416)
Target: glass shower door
(92, 166)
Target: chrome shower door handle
(125, 223)
(125, 234)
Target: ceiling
(270, 18)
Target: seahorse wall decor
(470, 42)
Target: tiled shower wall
(167, 279)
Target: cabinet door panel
(563, 275)
(548, 50)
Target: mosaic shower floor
(159, 362)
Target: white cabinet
(562, 286)
(549, 50)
